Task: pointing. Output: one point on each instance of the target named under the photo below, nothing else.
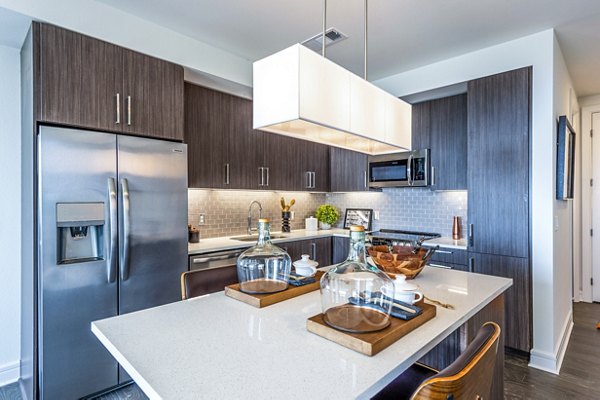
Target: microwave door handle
(409, 171)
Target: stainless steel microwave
(409, 168)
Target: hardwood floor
(579, 377)
(580, 373)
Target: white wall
(108, 23)
(565, 103)
(538, 51)
(10, 206)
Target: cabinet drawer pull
(118, 121)
(267, 184)
(313, 248)
(444, 252)
(432, 175)
(227, 173)
(314, 180)
(471, 264)
(365, 179)
(308, 177)
(128, 110)
(471, 240)
(261, 177)
(440, 266)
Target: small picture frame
(358, 216)
(565, 159)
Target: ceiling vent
(332, 36)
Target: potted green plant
(327, 215)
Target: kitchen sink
(254, 238)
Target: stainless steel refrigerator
(112, 223)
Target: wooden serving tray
(264, 300)
(371, 343)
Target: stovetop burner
(395, 237)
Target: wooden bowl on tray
(405, 260)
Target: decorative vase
(264, 268)
(352, 292)
(325, 226)
(285, 221)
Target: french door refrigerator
(112, 224)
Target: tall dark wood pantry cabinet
(499, 109)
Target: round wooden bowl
(400, 260)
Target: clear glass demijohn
(353, 293)
(264, 268)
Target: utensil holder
(285, 221)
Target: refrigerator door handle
(126, 229)
(112, 215)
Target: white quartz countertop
(226, 243)
(447, 242)
(215, 347)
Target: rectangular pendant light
(301, 94)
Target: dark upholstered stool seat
(403, 387)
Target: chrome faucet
(250, 229)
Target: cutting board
(264, 300)
(373, 342)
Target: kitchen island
(216, 347)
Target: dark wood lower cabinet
(318, 249)
(340, 249)
(518, 309)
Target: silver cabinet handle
(365, 178)
(267, 168)
(471, 239)
(440, 266)
(471, 264)
(112, 220)
(444, 252)
(308, 179)
(128, 110)
(409, 170)
(125, 199)
(314, 179)
(432, 176)
(261, 178)
(227, 173)
(313, 249)
(118, 121)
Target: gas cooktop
(399, 237)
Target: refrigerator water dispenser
(80, 232)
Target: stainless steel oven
(410, 168)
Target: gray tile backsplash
(409, 208)
(226, 211)
(399, 208)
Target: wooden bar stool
(468, 377)
(200, 282)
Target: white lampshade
(300, 94)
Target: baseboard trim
(552, 362)
(10, 372)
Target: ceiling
(403, 34)
(13, 28)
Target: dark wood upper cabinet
(498, 163)
(348, 170)
(441, 125)
(89, 83)
(314, 166)
(205, 136)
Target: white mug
(405, 296)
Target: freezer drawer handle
(214, 258)
(112, 214)
(126, 229)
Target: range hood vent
(332, 36)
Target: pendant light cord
(366, 29)
(324, 27)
